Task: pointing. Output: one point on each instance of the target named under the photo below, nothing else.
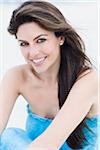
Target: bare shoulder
(15, 76)
(90, 73)
(91, 81)
(87, 85)
(15, 73)
(89, 77)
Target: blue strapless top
(36, 124)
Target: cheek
(24, 52)
(52, 48)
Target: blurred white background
(83, 15)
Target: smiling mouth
(39, 61)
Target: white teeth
(39, 60)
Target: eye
(24, 44)
(41, 40)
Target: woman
(58, 82)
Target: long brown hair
(73, 58)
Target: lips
(39, 61)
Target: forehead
(31, 29)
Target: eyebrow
(34, 38)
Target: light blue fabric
(18, 139)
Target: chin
(39, 70)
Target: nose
(33, 51)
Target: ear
(61, 40)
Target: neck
(50, 76)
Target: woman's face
(40, 47)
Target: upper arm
(75, 108)
(9, 91)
